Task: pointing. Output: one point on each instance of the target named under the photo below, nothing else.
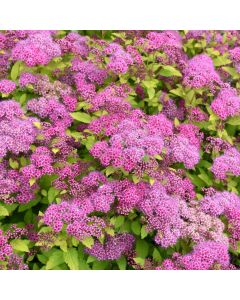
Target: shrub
(119, 150)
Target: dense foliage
(119, 150)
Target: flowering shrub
(119, 150)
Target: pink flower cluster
(7, 86)
(51, 109)
(78, 225)
(200, 72)
(14, 185)
(17, 132)
(129, 145)
(181, 150)
(40, 164)
(205, 256)
(5, 248)
(12, 260)
(228, 163)
(75, 43)
(37, 49)
(235, 56)
(162, 214)
(227, 204)
(169, 43)
(227, 103)
(113, 247)
(119, 59)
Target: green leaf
(81, 116)
(55, 260)
(178, 92)
(135, 179)
(35, 267)
(169, 71)
(3, 211)
(23, 161)
(62, 244)
(151, 92)
(204, 163)
(232, 71)
(234, 120)
(136, 227)
(32, 181)
(109, 170)
(100, 265)
(10, 207)
(152, 83)
(15, 70)
(83, 265)
(139, 260)
(75, 134)
(55, 150)
(176, 122)
(46, 181)
(88, 242)
(90, 142)
(196, 180)
(13, 164)
(42, 258)
(52, 193)
(142, 248)
(23, 207)
(144, 233)
(28, 217)
(5, 95)
(221, 61)
(37, 125)
(71, 259)
(205, 177)
(119, 221)
(122, 263)
(156, 255)
(189, 96)
(158, 157)
(91, 259)
(101, 239)
(75, 242)
(151, 181)
(109, 231)
(20, 245)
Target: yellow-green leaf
(136, 227)
(3, 211)
(142, 248)
(37, 124)
(88, 242)
(139, 260)
(109, 231)
(32, 181)
(20, 245)
(81, 116)
(109, 170)
(15, 70)
(71, 259)
(151, 181)
(221, 61)
(13, 164)
(55, 260)
(169, 71)
(144, 233)
(122, 263)
(234, 120)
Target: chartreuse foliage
(119, 150)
